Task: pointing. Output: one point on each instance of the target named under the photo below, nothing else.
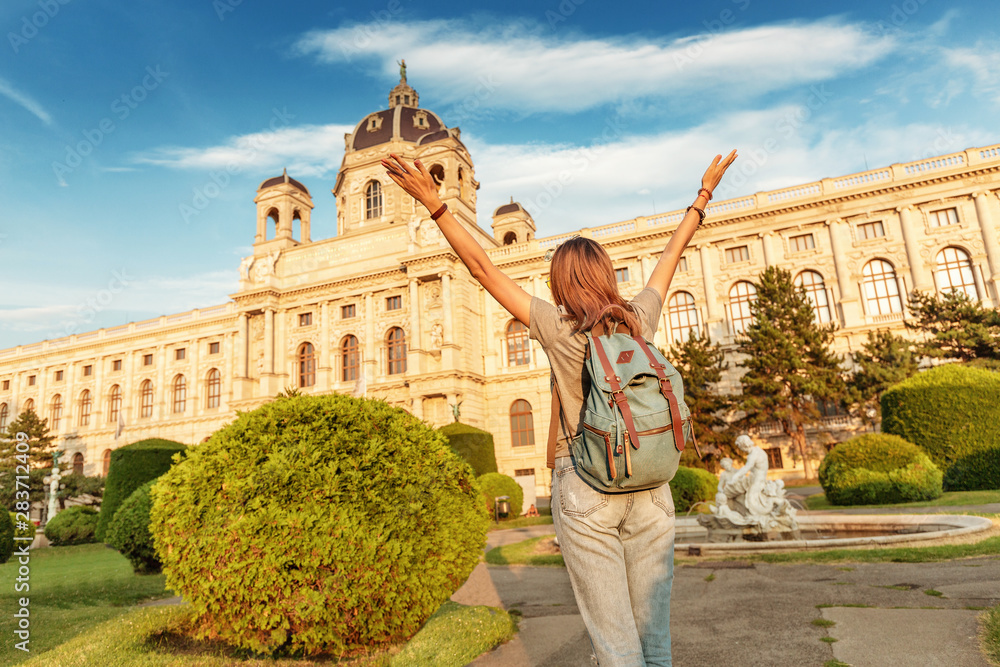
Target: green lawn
(948, 499)
(989, 635)
(521, 522)
(522, 553)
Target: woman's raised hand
(715, 171)
(414, 179)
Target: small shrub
(6, 536)
(951, 412)
(692, 485)
(494, 484)
(317, 524)
(473, 445)
(73, 525)
(29, 529)
(129, 531)
(876, 469)
(132, 466)
(977, 470)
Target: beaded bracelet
(701, 213)
(708, 193)
(438, 213)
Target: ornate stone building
(386, 308)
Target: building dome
(512, 207)
(404, 120)
(284, 178)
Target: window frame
(518, 344)
(373, 200)
(522, 424)
(872, 296)
(213, 389)
(395, 351)
(179, 394)
(744, 252)
(305, 362)
(86, 407)
(680, 316)
(350, 358)
(146, 399)
(746, 317)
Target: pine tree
(789, 361)
(40, 443)
(884, 360)
(957, 326)
(701, 365)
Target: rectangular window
(774, 458)
(88, 370)
(945, 218)
(116, 365)
(213, 348)
(6, 385)
(524, 472)
(305, 319)
(738, 254)
(801, 242)
(870, 230)
(621, 275)
(31, 380)
(59, 376)
(180, 353)
(682, 265)
(347, 312)
(147, 360)
(394, 303)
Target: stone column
(164, 407)
(196, 387)
(242, 340)
(714, 327)
(269, 341)
(70, 404)
(370, 361)
(767, 240)
(917, 269)
(645, 267)
(98, 418)
(324, 349)
(418, 407)
(988, 228)
(850, 303)
(446, 304)
(414, 343)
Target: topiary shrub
(950, 412)
(129, 531)
(977, 470)
(132, 466)
(878, 469)
(473, 445)
(494, 484)
(692, 485)
(29, 529)
(317, 523)
(73, 525)
(6, 536)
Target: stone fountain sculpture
(747, 504)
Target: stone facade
(388, 309)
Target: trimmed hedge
(129, 532)
(6, 536)
(473, 445)
(951, 412)
(978, 470)
(494, 484)
(27, 532)
(132, 466)
(876, 469)
(73, 525)
(692, 485)
(318, 524)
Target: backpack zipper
(607, 443)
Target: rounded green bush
(691, 486)
(73, 525)
(132, 466)
(878, 469)
(317, 524)
(494, 484)
(6, 536)
(473, 445)
(951, 412)
(129, 531)
(977, 470)
(28, 531)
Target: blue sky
(117, 116)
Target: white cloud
(513, 66)
(16, 96)
(983, 64)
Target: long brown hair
(583, 282)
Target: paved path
(739, 613)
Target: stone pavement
(747, 614)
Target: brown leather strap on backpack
(620, 400)
(668, 393)
(554, 421)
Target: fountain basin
(864, 530)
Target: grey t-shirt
(566, 352)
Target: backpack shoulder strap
(668, 393)
(556, 420)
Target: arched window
(683, 316)
(396, 351)
(180, 394)
(510, 238)
(4, 415)
(954, 272)
(522, 427)
(741, 295)
(518, 347)
(86, 404)
(106, 462)
(146, 399)
(272, 224)
(78, 464)
(373, 200)
(307, 365)
(114, 404)
(812, 283)
(350, 359)
(881, 288)
(214, 386)
(55, 412)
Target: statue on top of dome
(402, 70)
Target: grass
(934, 593)
(522, 553)
(931, 554)
(823, 623)
(989, 634)
(835, 663)
(828, 640)
(521, 522)
(710, 577)
(948, 499)
(71, 590)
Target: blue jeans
(619, 551)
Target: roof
(284, 178)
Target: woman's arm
(417, 182)
(663, 272)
